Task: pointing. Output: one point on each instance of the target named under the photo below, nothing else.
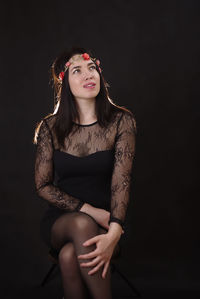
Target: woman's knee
(84, 222)
(67, 254)
(70, 226)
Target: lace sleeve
(44, 173)
(121, 177)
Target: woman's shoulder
(124, 114)
(46, 124)
(125, 117)
(48, 120)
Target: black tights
(68, 234)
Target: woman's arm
(44, 173)
(101, 216)
(121, 177)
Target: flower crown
(85, 56)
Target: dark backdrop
(149, 53)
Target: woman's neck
(86, 109)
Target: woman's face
(84, 80)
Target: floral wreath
(85, 56)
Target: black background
(149, 53)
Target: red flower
(86, 56)
(61, 75)
(98, 62)
(67, 63)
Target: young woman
(83, 164)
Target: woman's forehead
(78, 58)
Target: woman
(83, 166)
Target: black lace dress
(94, 167)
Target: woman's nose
(87, 75)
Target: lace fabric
(82, 142)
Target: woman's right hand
(101, 216)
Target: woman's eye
(76, 71)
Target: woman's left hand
(102, 254)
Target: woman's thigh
(71, 226)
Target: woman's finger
(96, 268)
(88, 255)
(92, 263)
(91, 241)
(105, 269)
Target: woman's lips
(89, 85)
